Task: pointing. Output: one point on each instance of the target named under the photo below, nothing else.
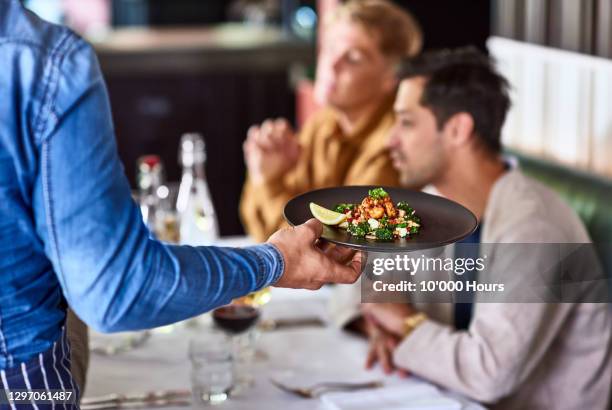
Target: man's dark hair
(462, 80)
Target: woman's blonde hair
(399, 34)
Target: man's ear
(460, 129)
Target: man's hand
(307, 266)
(270, 150)
(389, 316)
(382, 345)
(338, 253)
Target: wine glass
(237, 320)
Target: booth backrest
(590, 196)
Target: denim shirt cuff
(271, 264)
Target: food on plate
(375, 218)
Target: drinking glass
(237, 320)
(167, 218)
(212, 371)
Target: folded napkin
(411, 396)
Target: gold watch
(412, 322)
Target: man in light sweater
(450, 109)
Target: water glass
(212, 371)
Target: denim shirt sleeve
(111, 272)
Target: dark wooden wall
(152, 111)
(452, 23)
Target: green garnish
(342, 208)
(405, 207)
(378, 193)
(359, 230)
(384, 223)
(384, 234)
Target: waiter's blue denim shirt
(70, 232)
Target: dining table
(310, 346)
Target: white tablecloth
(162, 364)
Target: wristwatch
(412, 322)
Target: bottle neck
(149, 183)
(195, 170)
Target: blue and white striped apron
(49, 370)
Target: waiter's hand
(338, 253)
(306, 265)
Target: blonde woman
(344, 143)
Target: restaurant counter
(235, 47)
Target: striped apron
(49, 370)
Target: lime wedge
(326, 216)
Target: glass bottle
(150, 179)
(198, 221)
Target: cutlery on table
(138, 400)
(320, 388)
(278, 324)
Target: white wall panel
(562, 104)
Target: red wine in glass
(235, 318)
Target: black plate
(442, 221)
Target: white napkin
(408, 397)
(306, 379)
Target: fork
(139, 404)
(320, 388)
(161, 398)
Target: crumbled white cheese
(402, 232)
(373, 223)
(402, 213)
